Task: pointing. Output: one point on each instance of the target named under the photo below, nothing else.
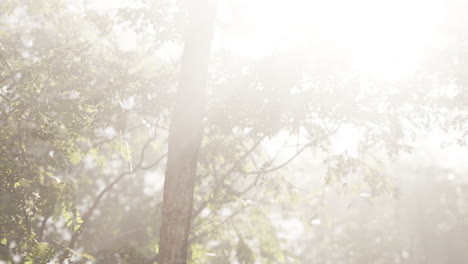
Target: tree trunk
(185, 134)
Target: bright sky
(382, 39)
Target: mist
(244, 132)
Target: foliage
(83, 134)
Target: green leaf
(40, 254)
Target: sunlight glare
(378, 39)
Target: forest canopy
(217, 131)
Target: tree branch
(109, 187)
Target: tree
(84, 126)
(185, 134)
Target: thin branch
(279, 166)
(107, 140)
(109, 187)
(215, 227)
(220, 180)
(259, 175)
(42, 228)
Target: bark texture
(185, 134)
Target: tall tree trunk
(185, 134)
